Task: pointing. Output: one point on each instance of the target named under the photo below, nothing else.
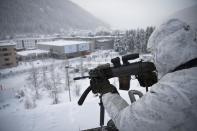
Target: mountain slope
(43, 17)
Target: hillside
(19, 17)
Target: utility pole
(81, 66)
(67, 83)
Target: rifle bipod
(110, 125)
(102, 113)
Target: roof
(62, 43)
(104, 40)
(29, 52)
(7, 44)
(36, 38)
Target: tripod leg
(102, 112)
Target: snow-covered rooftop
(7, 44)
(29, 52)
(104, 40)
(62, 42)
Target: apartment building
(7, 55)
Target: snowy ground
(65, 116)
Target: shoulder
(178, 88)
(185, 74)
(180, 80)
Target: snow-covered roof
(104, 40)
(29, 52)
(108, 36)
(7, 44)
(34, 38)
(62, 43)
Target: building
(28, 55)
(104, 44)
(25, 43)
(65, 48)
(30, 43)
(96, 42)
(7, 55)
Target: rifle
(145, 72)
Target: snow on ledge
(29, 52)
(62, 43)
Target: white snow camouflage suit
(171, 104)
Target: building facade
(7, 55)
(30, 43)
(29, 55)
(104, 44)
(96, 42)
(65, 48)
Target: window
(6, 59)
(7, 54)
(8, 64)
(4, 49)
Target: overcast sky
(124, 14)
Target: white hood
(172, 44)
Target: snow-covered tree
(81, 66)
(133, 41)
(29, 101)
(77, 89)
(67, 78)
(45, 81)
(55, 83)
(102, 31)
(33, 80)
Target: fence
(6, 93)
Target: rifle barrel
(78, 78)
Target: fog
(124, 14)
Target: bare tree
(55, 82)
(81, 66)
(67, 78)
(77, 89)
(29, 101)
(34, 79)
(45, 81)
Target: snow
(25, 66)
(62, 43)
(29, 52)
(6, 44)
(104, 40)
(63, 116)
(46, 116)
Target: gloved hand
(147, 79)
(102, 86)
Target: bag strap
(187, 65)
